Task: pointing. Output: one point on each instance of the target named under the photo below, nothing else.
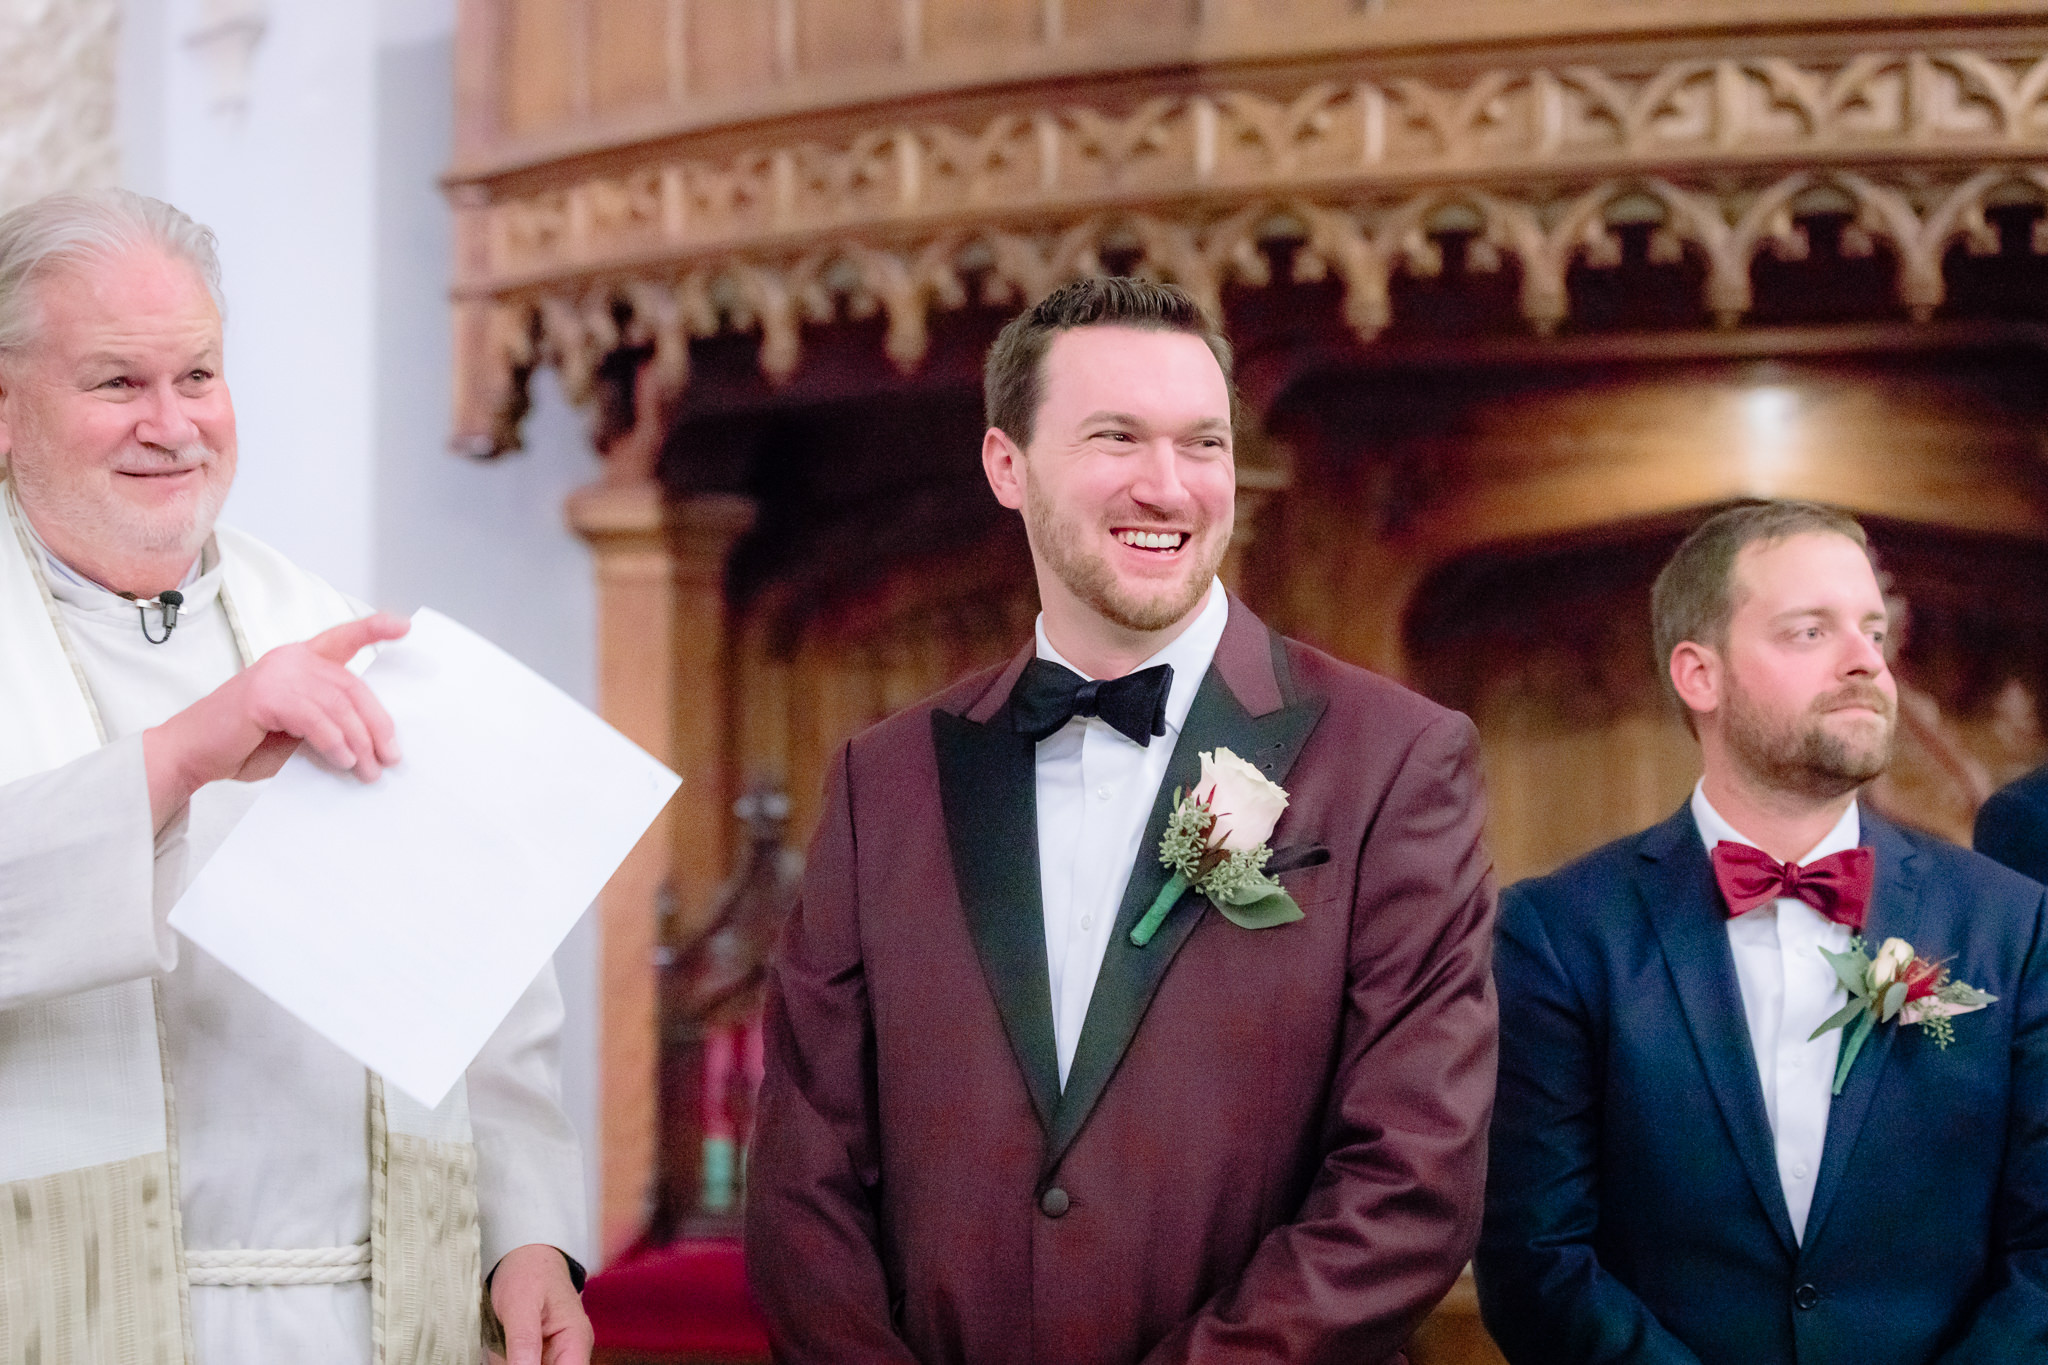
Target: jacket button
(1805, 1296)
(1054, 1202)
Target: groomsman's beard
(1088, 576)
(1799, 753)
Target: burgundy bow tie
(1838, 885)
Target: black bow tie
(1047, 696)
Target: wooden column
(661, 681)
(702, 533)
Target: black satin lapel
(1894, 913)
(1684, 904)
(1131, 975)
(988, 786)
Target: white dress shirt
(1789, 990)
(1095, 794)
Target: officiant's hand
(246, 728)
(539, 1309)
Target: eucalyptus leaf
(1274, 908)
(1851, 1045)
(1839, 1018)
(1250, 891)
(1853, 969)
(1894, 1001)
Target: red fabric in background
(686, 1298)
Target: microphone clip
(166, 602)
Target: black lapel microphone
(168, 602)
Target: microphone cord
(166, 602)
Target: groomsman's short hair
(63, 229)
(1693, 598)
(1012, 385)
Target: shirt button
(1102, 793)
(1087, 921)
(1801, 1171)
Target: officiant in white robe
(195, 1175)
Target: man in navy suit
(1672, 1179)
(2013, 826)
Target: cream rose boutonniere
(1895, 985)
(1215, 842)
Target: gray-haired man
(192, 1173)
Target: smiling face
(1808, 705)
(116, 421)
(1128, 487)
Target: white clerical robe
(271, 1147)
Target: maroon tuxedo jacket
(1271, 1144)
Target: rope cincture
(310, 1265)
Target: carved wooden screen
(816, 668)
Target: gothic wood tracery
(1542, 163)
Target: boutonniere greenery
(1215, 842)
(1897, 986)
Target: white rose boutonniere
(1245, 803)
(1898, 985)
(1215, 842)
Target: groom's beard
(1087, 575)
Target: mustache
(1863, 694)
(195, 453)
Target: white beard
(111, 523)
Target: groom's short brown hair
(1012, 383)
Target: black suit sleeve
(2012, 1323)
(1542, 1291)
(2012, 828)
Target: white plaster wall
(335, 246)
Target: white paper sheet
(402, 918)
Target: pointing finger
(341, 644)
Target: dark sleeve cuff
(577, 1274)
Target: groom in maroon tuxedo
(997, 1128)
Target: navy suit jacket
(1634, 1211)
(2013, 826)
